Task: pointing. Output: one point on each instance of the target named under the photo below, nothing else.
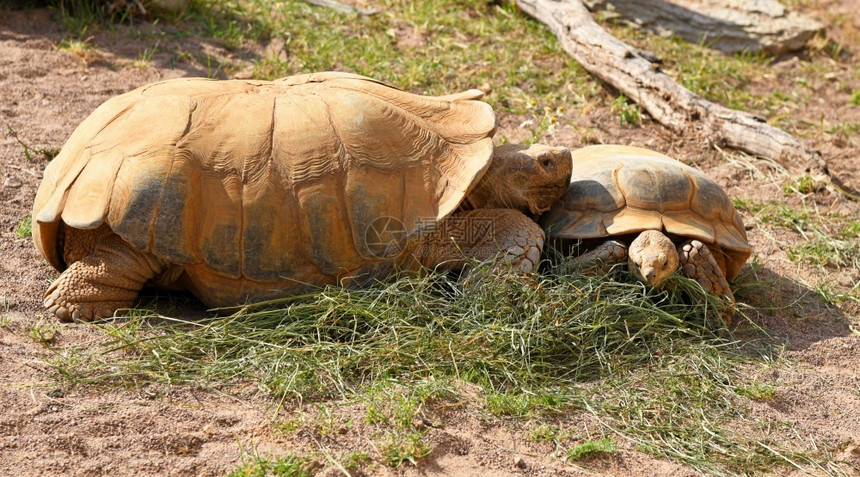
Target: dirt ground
(45, 92)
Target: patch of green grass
(828, 240)
(590, 448)
(355, 460)
(855, 97)
(628, 111)
(144, 57)
(395, 410)
(757, 391)
(851, 229)
(405, 447)
(326, 422)
(4, 316)
(507, 334)
(77, 47)
(427, 47)
(388, 404)
(509, 404)
(80, 16)
(546, 433)
(43, 331)
(294, 423)
(679, 409)
(543, 122)
(718, 77)
(48, 153)
(25, 228)
(519, 404)
(652, 367)
(288, 465)
(802, 185)
(843, 129)
(232, 23)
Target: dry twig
(342, 7)
(638, 76)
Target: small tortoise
(656, 213)
(248, 190)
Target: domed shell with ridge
(253, 186)
(618, 190)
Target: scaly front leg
(106, 274)
(698, 263)
(602, 258)
(483, 234)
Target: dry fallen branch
(635, 75)
(731, 26)
(342, 7)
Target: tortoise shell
(251, 186)
(619, 190)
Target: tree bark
(637, 75)
(731, 26)
(334, 4)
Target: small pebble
(519, 462)
(12, 182)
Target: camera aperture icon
(385, 237)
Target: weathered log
(730, 26)
(638, 77)
(334, 4)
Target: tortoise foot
(524, 246)
(98, 284)
(698, 263)
(83, 303)
(69, 311)
(504, 235)
(602, 258)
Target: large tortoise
(248, 190)
(652, 211)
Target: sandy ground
(45, 92)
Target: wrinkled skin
(526, 179)
(520, 184)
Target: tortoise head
(652, 258)
(527, 179)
